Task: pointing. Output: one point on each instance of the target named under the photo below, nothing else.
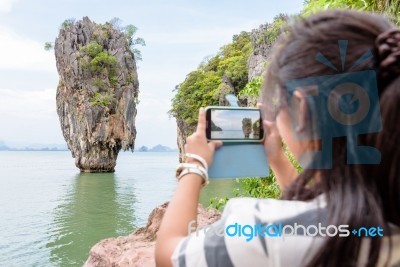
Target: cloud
(153, 123)
(29, 116)
(21, 53)
(6, 5)
(39, 104)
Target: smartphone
(234, 124)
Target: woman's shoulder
(274, 209)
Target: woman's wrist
(193, 164)
(193, 180)
(193, 161)
(277, 160)
(284, 170)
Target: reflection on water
(92, 209)
(52, 216)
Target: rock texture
(257, 59)
(137, 249)
(183, 128)
(256, 62)
(96, 93)
(225, 88)
(181, 133)
(262, 39)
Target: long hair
(357, 195)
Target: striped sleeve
(225, 244)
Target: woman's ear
(299, 111)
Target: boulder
(137, 249)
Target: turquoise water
(51, 214)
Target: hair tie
(388, 46)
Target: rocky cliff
(254, 66)
(257, 59)
(137, 249)
(96, 94)
(182, 134)
(260, 40)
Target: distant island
(63, 147)
(157, 148)
(33, 147)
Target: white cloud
(29, 116)
(153, 123)
(39, 104)
(21, 53)
(6, 5)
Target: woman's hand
(272, 140)
(284, 170)
(197, 142)
(182, 209)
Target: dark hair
(357, 195)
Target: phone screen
(234, 124)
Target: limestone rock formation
(182, 134)
(225, 88)
(256, 61)
(96, 94)
(262, 39)
(137, 249)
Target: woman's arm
(181, 210)
(284, 170)
(183, 206)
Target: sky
(179, 35)
(231, 120)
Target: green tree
(101, 100)
(92, 49)
(97, 60)
(233, 60)
(68, 22)
(388, 7)
(196, 91)
(200, 87)
(252, 88)
(130, 32)
(48, 46)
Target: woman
(345, 189)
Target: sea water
(51, 214)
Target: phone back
(239, 160)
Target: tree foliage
(92, 49)
(200, 87)
(273, 30)
(231, 62)
(48, 46)
(101, 100)
(387, 7)
(68, 22)
(98, 61)
(252, 88)
(130, 32)
(196, 91)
